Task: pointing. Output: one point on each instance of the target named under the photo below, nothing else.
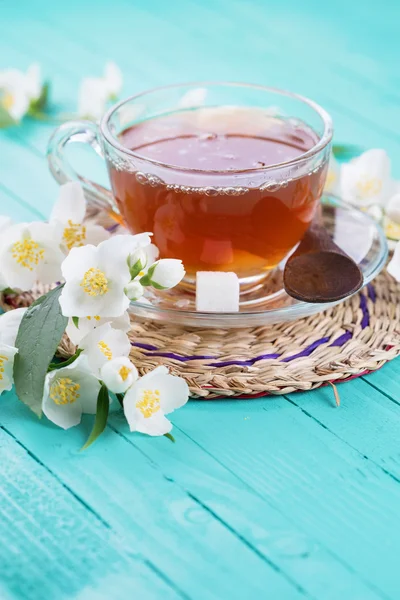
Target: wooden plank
(151, 514)
(369, 105)
(275, 535)
(327, 488)
(53, 546)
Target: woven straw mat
(351, 339)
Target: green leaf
(39, 335)
(120, 398)
(6, 119)
(65, 363)
(75, 321)
(100, 422)
(170, 437)
(40, 104)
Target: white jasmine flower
(95, 92)
(96, 277)
(119, 374)
(113, 79)
(332, 183)
(9, 325)
(366, 179)
(69, 392)
(87, 324)
(30, 252)
(92, 99)
(7, 354)
(69, 213)
(134, 290)
(193, 98)
(103, 344)
(18, 90)
(164, 274)
(152, 397)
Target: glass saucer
(267, 303)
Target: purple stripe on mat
(144, 346)
(340, 341)
(307, 351)
(243, 363)
(364, 308)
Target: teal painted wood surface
(280, 498)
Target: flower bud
(137, 261)
(164, 274)
(134, 290)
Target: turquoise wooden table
(282, 498)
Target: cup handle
(82, 132)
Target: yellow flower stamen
(149, 403)
(74, 235)
(141, 274)
(94, 282)
(7, 100)
(124, 373)
(27, 253)
(3, 359)
(369, 186)
(96, 318)
(64, 391)
(105, 349)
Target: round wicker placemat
(348, 340)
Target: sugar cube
(217, 291)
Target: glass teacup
(227, 176)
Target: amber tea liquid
(196, 210)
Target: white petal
(104, 344)
(7, 354)
(119, 374)
(114, 252)
(174, 391)
(156, 424)
(92, 99)
(33, 80)
(113, 79)
(78, 261)
(95, 234)
(366, 179)
(192, 98)
(70, 205)
(5, 223)
(9, 325)
(393, 208)
(394, 266)
(86, 325)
